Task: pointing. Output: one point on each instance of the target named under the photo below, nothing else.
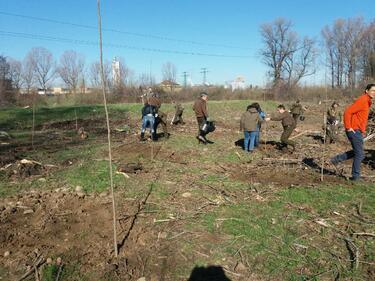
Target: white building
(116, 74)
(238, 83)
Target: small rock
(58, 261)
(49, 261)
(81, 195)
(103, 194)
(6, 254)
(142, 279)
(186, 194)
(79, 188)
(205, 149)
(29, 211)
(240, 267)
(42, 180)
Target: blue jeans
(257, 137)
(249, 140)
(356, 140)
(148, 122)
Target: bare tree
(354, 29)
(28, 74)
(43, 65)
(300, 64)
(367, 54)
(169, 72)
(71, 69)
(95, 76)
(146, 80)
(15, 73)
(4, 79)
(288, 57)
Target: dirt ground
(77, 226)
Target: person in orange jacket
(355, 122)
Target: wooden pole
(108, 130)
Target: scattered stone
(42, 180)
(81, 195)
(29, 211)
(142, 279)
(6, 254)
(186, 194)
(78, 188)
(49, 261)
(103, 194)
(130, 168)
(240, 267)
(58, 261)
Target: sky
(221, 36)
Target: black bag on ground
(208, 127)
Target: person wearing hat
(201, 113)
(333, 123)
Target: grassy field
(216, 204)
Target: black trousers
(201, 121)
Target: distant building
(238, 83)
(116, 72)
(169, 86)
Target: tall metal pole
(108, 131)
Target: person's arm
(277, 117)
(204, 109)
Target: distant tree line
(347, 51)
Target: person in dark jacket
(249, 124)
(201, 113)
(333, 123)
(160, 116)
(148, 121)
(297, 110)
(288, 123)
(177, 118)
(262, 116)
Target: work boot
(154, 137)
(201, 139)
(142, 137)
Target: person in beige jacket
(249, 123)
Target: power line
(112, 45)
(121, 32)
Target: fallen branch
(35, 266)
(364, 234)
(304, 132)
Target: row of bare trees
(348, 46)
(39, 70)
(350, 52)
